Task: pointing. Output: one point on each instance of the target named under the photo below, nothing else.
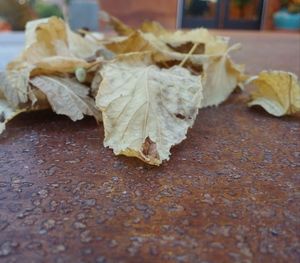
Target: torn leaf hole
(150, 149)
(180, 116)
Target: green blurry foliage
(46, 10)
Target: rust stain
(230, 192)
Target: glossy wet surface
(230, 192)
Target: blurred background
(225, 14)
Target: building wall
(134, 12)
(271, 7)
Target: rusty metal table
(230, 192)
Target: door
(227, 14)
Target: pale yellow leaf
(220, 78)
(57, 64)
(46, 32)
(278, 92)
(186, 47)
(38, 51)
(147, 110)
(14, 84)
(51, 48)
(18, 93)
(212, 44)
(120, 27)
(7, 112)
(153, 27)
(147, 42)
(221, 75)
(54, 37)
(44, 29)
(178, 41)
(81, 47)
(134, 43)
(96, 84)
(67, 97)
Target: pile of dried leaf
(147, 84)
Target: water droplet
(59, 248)
(7, 247)
(85, 236)
(79, 225)
(141, 207)
(3, 224)
(101, 220)
(14, 207)
(112, 243)
(34, 245)
(48, 224)
(153, 251)
(100, 259)
(51, 171)
(175, 208)
(43, 193)
(87, 251)
(73, 161)
(216, 245)
(138, 193)
(81, 216)
(208, 199)
(89, 202)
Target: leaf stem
(192, 50)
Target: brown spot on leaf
(180, 116)
(149, 149)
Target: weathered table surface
(230, 192)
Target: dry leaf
(147, 110)
(180, 40)
(82, 47)
(52, 37)
(15, 81)
(221, 77)
(211, 44)
(51, 48)
(146, 42)
(7, 112)
(57, 64)
(14, 84)
(96, 84)
(149, 95)
(56, 37)
(121, 28)
(186, 47)
(278, 92)
(153, 27)
(46, 31)
(134, 43)
(67, 97)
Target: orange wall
(271, 7)
(134, 12)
